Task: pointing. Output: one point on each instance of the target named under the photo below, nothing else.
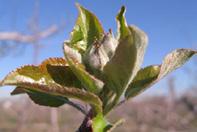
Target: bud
(101, 52)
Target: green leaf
(72, 53)
(41, 98)
(122, 68)
(45, 99)
(150, 75)
(60, 72)
(100, 53)
(33, 78)
(33, 74)
(28, 73)
(51, 70)
(175, 60)
(89, 82)
(123, 30)
(18, 90)
(143, 79)
(86, 30)
(57, 90)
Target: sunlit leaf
(60, 72)
(86, 30)
(100, 53)
(143, 79)
(122, 68)
(123, 30)
(57, 90)
(33, 78)
(148, 76)
(89, 82)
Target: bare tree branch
(24, 38)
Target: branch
(24, 38)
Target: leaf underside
(37, 80)
(150, 75)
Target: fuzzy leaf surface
(150, 75)
(33, 78)
(89, 82)
(122, 68)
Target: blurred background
(34, 30)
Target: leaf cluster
(98, 68)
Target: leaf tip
(79, 7)
(121, 12)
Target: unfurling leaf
(119, 72)
(148, 76)
(98, 69)
(89, 82)
(123, 30)
(86, 30)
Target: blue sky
(169, 24)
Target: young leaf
(45, 99)
(127, 60)
(58, 90)
(142, 80)
(41, 98)
(123, 30)
(148, 76)
(18, 90)
(52, 89)
(89, 82)
(72, 53)
(33, 74)
(86, 30)
(60, 72)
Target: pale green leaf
(122, 68)
(150, 75)
(123, 30)
(89, 82)
(143, 79)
